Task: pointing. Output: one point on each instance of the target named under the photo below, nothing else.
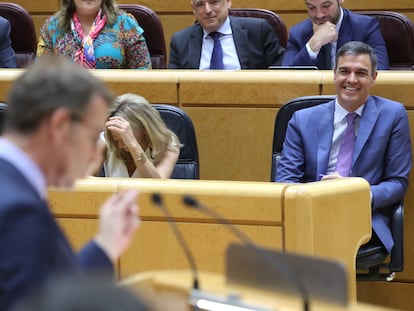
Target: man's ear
(228, 4)
(59, 124)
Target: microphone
(278, 266)
(157, 200)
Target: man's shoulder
(248, 21)
(305, 24)
(314, 111)
(356, 18)
(383, 103)
(3, 22)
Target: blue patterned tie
(216, 61)
(346, 149)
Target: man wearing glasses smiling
(246, 43)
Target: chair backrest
(22, 35)
(282, 119)
(398, 32)
(153, 32)
(179, 122)
(274, 20)
(3, 110)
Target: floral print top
(117, 46)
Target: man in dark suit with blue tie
(314, 42)
(56, 111)
(245, 43)
(381, 147)
(7, 55)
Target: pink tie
(346, 149)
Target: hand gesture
(322, 34)
(121, 130)
(118, 223)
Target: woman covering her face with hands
(136, 142)
(95, 34)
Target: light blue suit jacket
(382, 153)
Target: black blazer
(257, 45)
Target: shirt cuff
(312, 54)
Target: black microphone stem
(156, 198)
(193, 203)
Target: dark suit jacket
(355, 27)
(33, 248)
(382, 153)
(7, 56)
(257, 45)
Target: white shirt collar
(224, 29)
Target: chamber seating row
(397, 29)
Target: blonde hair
(141, 114)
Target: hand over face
(122, 132)
(323, 34)
(118, 223)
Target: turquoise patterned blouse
(117, 46)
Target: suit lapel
(366, 125)
(241, 41)
(345, 33)
(194, 47)
(325, 132)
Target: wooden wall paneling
(255, 88)
(39, 6)
(155, 87)
(234, 143)
(397, 295)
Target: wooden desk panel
(324, 209)
(155, 246)
(248, 88)
(309, 218)
(157, 86)
(250, 131)
(170, 291)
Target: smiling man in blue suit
(381, 145)
(314, 42)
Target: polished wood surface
(170, 291)
(307, 219)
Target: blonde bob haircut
(140, 114)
